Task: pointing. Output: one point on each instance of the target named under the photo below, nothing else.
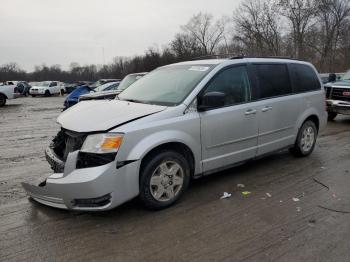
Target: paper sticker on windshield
(199, 68)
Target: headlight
(102, 143)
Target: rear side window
(273, 80)
(304, 78)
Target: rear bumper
(337, 106)
(90, 189)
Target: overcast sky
(33, 32)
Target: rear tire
(306, 140)
(2, 100)
(163, 179)
(332, 116)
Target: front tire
(163, 179)
(2, 100)
(306, 140)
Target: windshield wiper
(133, 101)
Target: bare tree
(208, 33)
(185, 46)
(333, 15)
(300, 15)
(258, 28)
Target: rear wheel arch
(313, 118)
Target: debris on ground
(322, 184)
(240, 185)
(225, 195)
(295, 199)
(322, 167)
(246, 193)
(298, 209)
(335, 210)
(268, 195)
(312, 222)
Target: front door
(229, 133)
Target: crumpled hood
(101, 115)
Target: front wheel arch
(178, 147)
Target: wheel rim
(166, 181)
(308, 139)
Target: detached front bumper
(91, 189)
(338, 106)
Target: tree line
(311, 30)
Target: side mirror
(211, 100)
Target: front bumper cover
(338, 106)
(105, 187)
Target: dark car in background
(111, 92)
(73, 97)
(338, 97)
(71, 86)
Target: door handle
(250, 112)
(266, 108)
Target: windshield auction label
(199, 68)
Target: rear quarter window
(304, 78)
(273, 80)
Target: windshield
(346, 76)
(45, 83)
(128, 80)
(104, 86)
(166, 85)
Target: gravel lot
(201, 227)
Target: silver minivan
(179, 122)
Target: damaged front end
(82, 180)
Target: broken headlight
(102, 143)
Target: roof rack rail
(274, 57)
(242, 56)
(213, 56)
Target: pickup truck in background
(338, 97)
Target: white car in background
(8, 92)
(47, 88)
